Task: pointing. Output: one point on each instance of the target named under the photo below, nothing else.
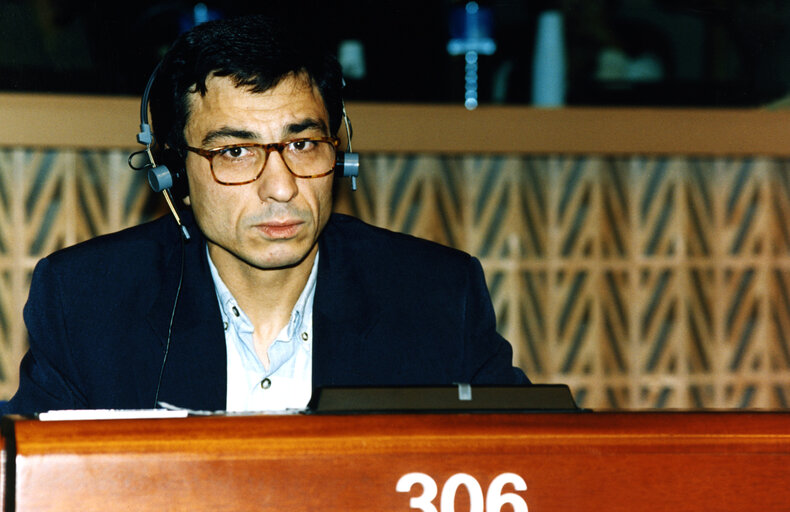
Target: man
(273, 295)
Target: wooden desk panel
(590, 461)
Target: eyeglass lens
(304, 158)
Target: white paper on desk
(193, 412)
(110, 414)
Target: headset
(162, 178)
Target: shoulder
(132, 246)
(129, 259)
(364, 240)
(392, 261)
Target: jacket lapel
(344, 311)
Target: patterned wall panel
(49, 200)
(641, 282)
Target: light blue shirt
(287, 384)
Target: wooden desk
(588, 461)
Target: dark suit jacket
(389, 309)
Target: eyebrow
(236, 133)
(304, 125)
(227, 132)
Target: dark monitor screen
(460, 398)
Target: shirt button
(225, 325)
(266, 383)
(305, 336)
(235, 310)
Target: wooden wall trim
(38, 120)
(579, 131)
(68, 122)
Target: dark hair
(256, 52)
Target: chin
(278, 261)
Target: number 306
(493, 500)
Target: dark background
(710, 52)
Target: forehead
(292, 101)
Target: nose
(276, 183)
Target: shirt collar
(232, 312)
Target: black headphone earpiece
(169, 174)
(347, 162)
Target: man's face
(273, 222)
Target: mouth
(280, 230)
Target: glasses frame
(209, 154)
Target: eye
(232, 152)
(300, 146)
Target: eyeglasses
(238, 164)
